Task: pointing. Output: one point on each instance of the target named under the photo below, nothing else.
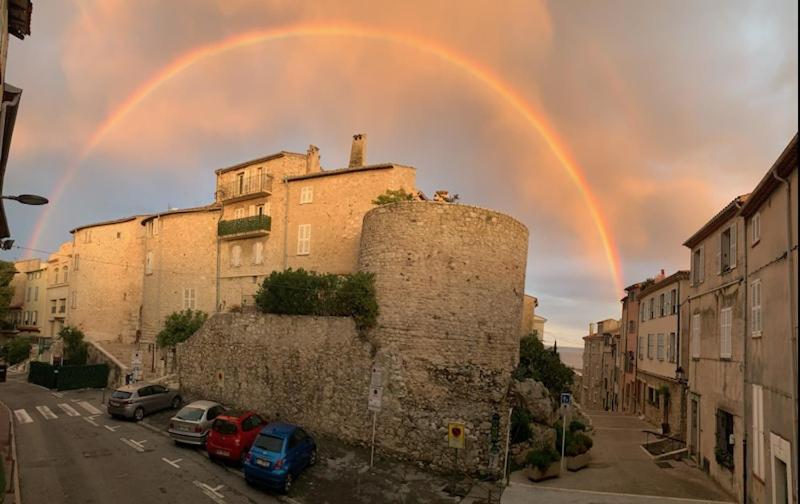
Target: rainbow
(534, 118)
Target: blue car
(278, 455)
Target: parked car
(140, 399)
(278, 455)
(192, 423)
(232, 434)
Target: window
(668, 303)
(30, 294)
(62, 305)
(236, 256)
(758, 431)
(755, 308)
(652, 308)
(53, 306)
(156, 224)
(724, 439)
(260, 210)
(695, 336)
(119, 235)
(66, 274)
(306, 195)
(641, 311)
(755, 225)
(652, 395)
(238, 213)
(36, 293)
(87, 236)
(640, 348)
(631, 326)
(661, 306)
(673, 347)
(55, 275)
(725, 319)
(304, 239)
(258, 253)
(74, 303)
(727, 253)
(27, 317)
(698, 265)
(649, 346)
(239, 183)
(188, 299)
(148, 264)
(34, 317)
(660, 348)
(77, 260)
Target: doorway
(781, 469)
(694, 428)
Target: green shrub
(179, 326)
(301, 292)
(520, 426)
(76, 350)
(17, 350)
(542, 458)
(544, 365)
(577, 444)
(393, 196)
(577, 425)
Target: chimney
(661, 276)
(591, 328)
(312, 159)
(358, 153)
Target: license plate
(224, 453)
(183, 428)
(262, 462)
(113, 403)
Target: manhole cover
(664, 465)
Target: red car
(232, 434)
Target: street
(70, 450)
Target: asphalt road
(71, 451)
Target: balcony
(245, 187)
(248, 227)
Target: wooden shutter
(733, 245)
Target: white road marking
(69, 410)
(88, 407)
(112, 429)
(46, 412)
(57, 394)
(132, 444)
(22, 416)
(91, 421)
(211, 493)
(173, 463)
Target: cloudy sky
(666, 108)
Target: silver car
(193, 422)
(140, 399)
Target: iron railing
(244, 225)
(245, 186)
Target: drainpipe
(792, 333)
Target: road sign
(375, 398)
(566, 399)
(377, 377)
(455, 435)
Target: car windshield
(269, 443)
(121, 394)
(191, 414)
(224, 427)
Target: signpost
(374, 404)
(566, 400)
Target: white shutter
(695, 336)
(304, 239)
(733, 244)
(258, 253)
(758, 431)
(725, 350)
(719, 254)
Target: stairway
(151, 367)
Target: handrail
(659, 434)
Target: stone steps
(124, 352)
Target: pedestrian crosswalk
(63, 410)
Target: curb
(15, 467)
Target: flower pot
(535, 474)
(578, 462)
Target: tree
(76, 350)
(393, 196)
(179, 326)
(16, 350)
(541, 364)
(7, 272)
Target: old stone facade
(630, 389)
(105, 287)
(449, 281)
(600, 369)
(58, 268)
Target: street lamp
(680, 375)
(28, 199)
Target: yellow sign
(455, 435)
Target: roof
(675, 277)
(539, 318)
(10, 104)
(19, 17)
(730, 210)
(258, 160)
(281, 428)
(344, 171)
(214, 207)
(202, 404)
(782, 167)
(110, 222)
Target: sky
(666, 109)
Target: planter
(578, 462)
(535, 474)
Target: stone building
(770, 341)
(58, 278)
(661, 391)
(180, 249)
(105, 289)
(629, 327)
(600, 370)
(715, 312)
(531, 322)
(35, 304)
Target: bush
(301, 292)
(542, 458)
(76, 350)
(17, 350)
(577, 444)
(544, 365)
(393, 196)
(179, 326)
(520, 426)
(577, 425)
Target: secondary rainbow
(535, 119)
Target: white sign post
(566, 399)
(374, 405)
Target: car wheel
(138, 415)
(176, 402)
(287, 483)
(313, 458)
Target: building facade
(35, 305)
(660, 388)
(629, 327)
(600, 369)
(770, 343)
(58, 278)
(715, 313)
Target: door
(161, 399)
(694, 428)
(781, 451)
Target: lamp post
(28, 199)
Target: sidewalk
(8, 452)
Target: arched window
(66, 274)
(55, 276)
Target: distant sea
(572, 357)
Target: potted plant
(542, 464)
(577, 450)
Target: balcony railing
(246, 186)
(257, 224)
